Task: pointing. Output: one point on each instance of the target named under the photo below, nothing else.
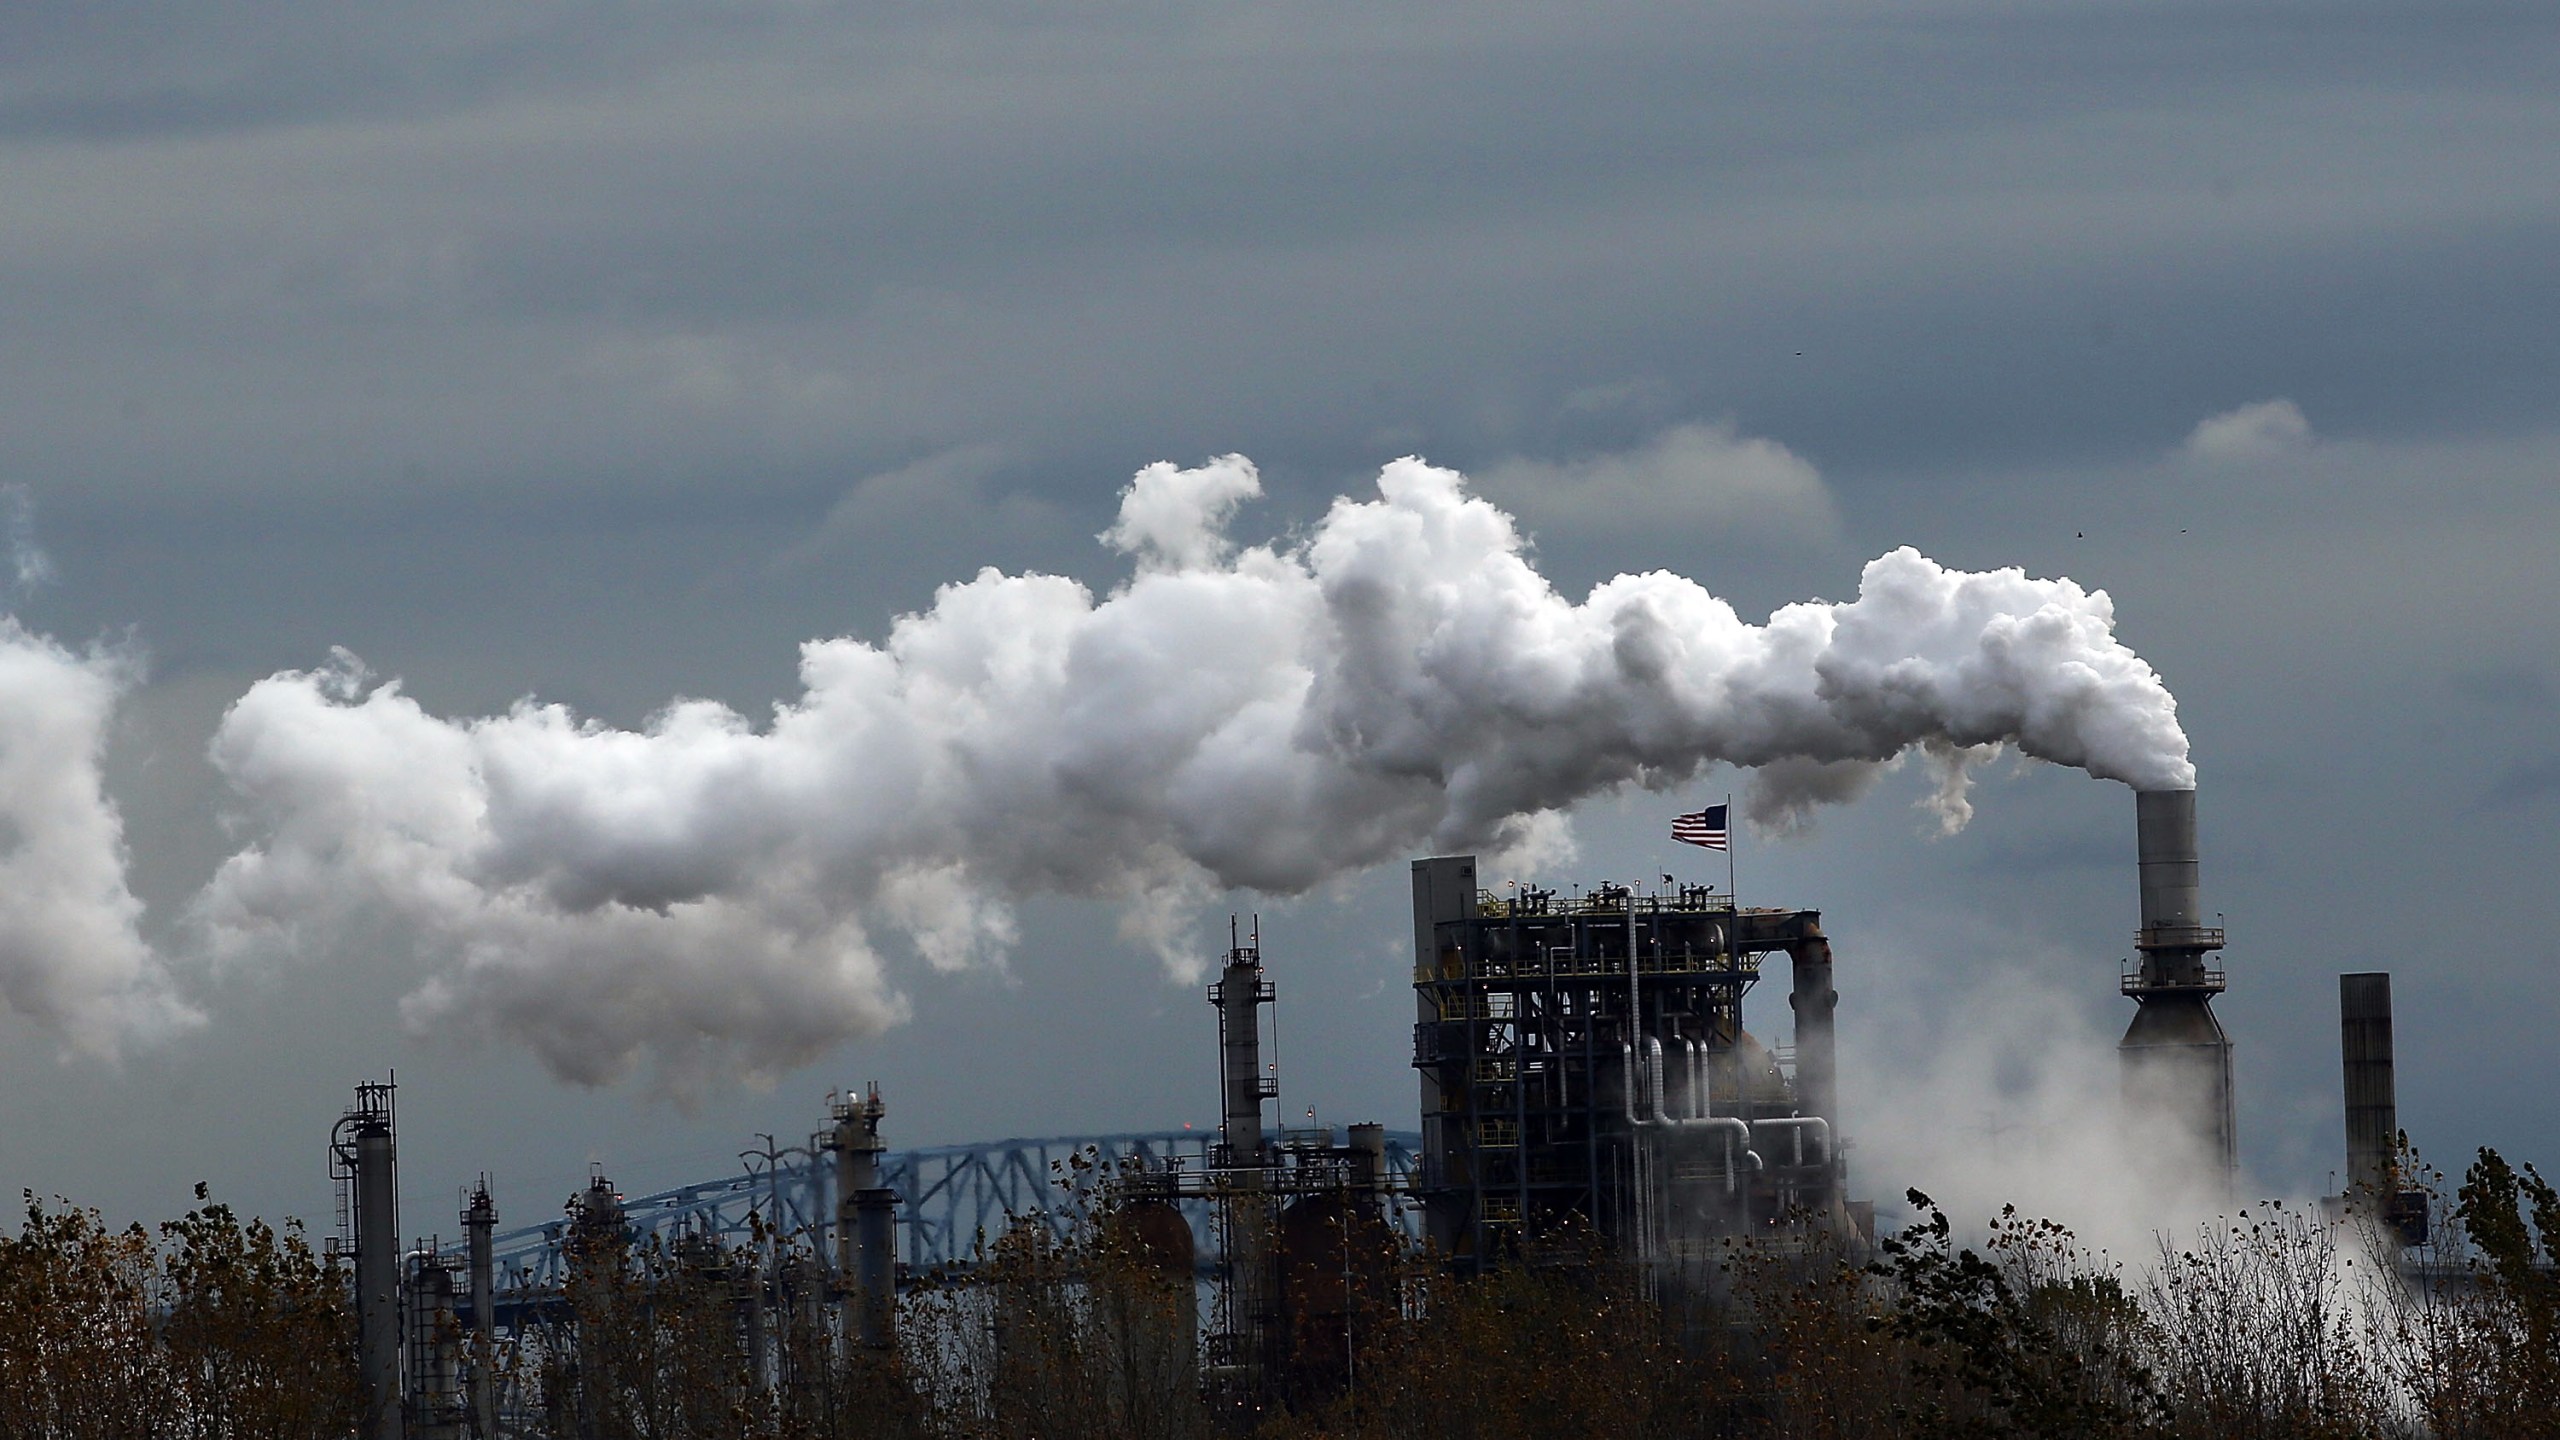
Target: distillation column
(1239, 996)
(435, 1409)
(366, 1150)
(866, 1223)
(2177, 1060)
(479, 1230)
(598, 1247)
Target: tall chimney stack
(2177, 1060)
(2165, 831)
(2373, 1105)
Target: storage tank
(1337, 1281)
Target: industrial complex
(1587, 1082)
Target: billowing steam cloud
(71, 956)
(706, 890)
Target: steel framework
(952, 1196)
(1552, 1034)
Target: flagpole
(1732, 835)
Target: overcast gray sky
(604, 353)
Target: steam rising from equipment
(704, 892)
(71, 956)
(2015, 1098)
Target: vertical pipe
(377, 1211)
(479, 1229)
(2373, 1115)
(1639, 1139)
(1693, 1096)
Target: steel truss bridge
(951, 1197)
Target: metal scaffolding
(1584, 1069)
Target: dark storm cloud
(505, 246)
(607, 352)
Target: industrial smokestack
(2373, 1104)
(2374, 1185)
(2165, 827)
(2177, 1060)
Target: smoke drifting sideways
(72, 957)
(707, 894)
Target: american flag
(1706, 827)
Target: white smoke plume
(2014, 1097)
(72, 957)
(27, 567)
(704, 891)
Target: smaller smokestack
(1816, 1004)
(2373, 1107)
